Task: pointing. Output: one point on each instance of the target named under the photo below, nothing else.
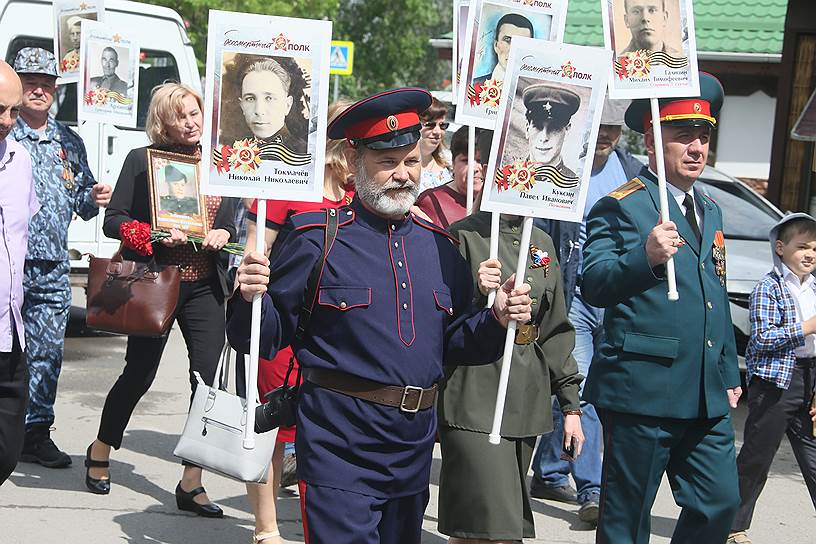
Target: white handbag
(213, 435)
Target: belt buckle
(526, 334)
(407, 389)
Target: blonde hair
(335, 157)
(166, 102)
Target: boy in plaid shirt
(781, 360)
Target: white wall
(745, 135)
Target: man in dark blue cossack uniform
(394, 302)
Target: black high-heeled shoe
(184, 501)
(99, 487)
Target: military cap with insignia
(173, 174)
(35, 60)
(382, 121)
(698, 111)
(546, 102)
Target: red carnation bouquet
(138, 236)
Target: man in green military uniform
(549, 109)
(666, 372)
(175, 201)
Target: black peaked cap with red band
(697, 111)
(383, 121)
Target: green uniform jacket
(186, 206)
(657, 358)
(539, 369)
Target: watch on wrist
(578, 412)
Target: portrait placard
(655, 49)
(175, 193)
(109, 75)
(68, 14)
(491, 26)
(265, 105)
(460, 14)
(541, 157)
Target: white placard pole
(471, 167)
(255, 334)
(504, 378)
(663, 191)
(495, 217)
(100, 174)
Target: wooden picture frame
(175, 194)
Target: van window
(155, 68)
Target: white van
(166, 55)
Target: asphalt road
(49, 505)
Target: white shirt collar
(788, 274)
(678, 194)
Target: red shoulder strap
(435, 228)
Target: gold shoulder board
(627, 189)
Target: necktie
(691, 217)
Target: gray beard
(377, 197)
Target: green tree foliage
(196, 14)
(391, 43)
(391, 37)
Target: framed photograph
(541, 157)
(265, 104)
(655, 49)
(491, 26)
(460, 14)
(175, 193)
(109, 75)
(68, 16)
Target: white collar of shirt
(804, 301)
(794, 280)
(680, 197)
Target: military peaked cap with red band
(698, 111)
(382, 121)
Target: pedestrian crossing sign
(341, 58)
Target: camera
(278, 410)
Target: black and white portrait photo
(263, 98)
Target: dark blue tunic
(395, 301)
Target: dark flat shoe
(99, 487)
(184, 501)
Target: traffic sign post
(341, 62)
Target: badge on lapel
(540, 259)
(718, 254)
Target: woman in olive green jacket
(483, 491)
